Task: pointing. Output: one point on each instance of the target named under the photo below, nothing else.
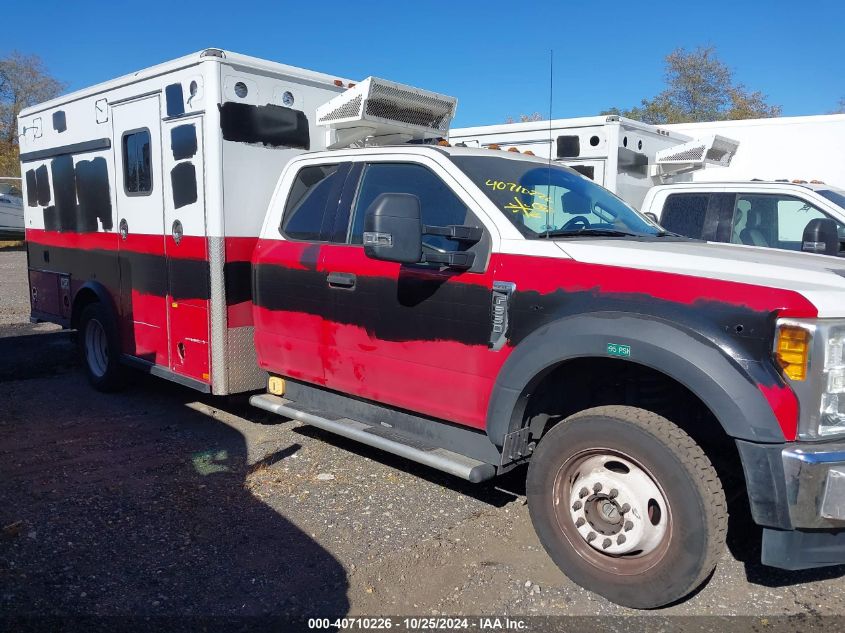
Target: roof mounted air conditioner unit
(709, 150)
(380, 112)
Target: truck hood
(819, 278)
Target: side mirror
(393, 229)
(821, 236)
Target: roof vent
(379, 112)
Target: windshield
(835, 196)
(551, 201)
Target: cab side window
(439, 206)
(775, 221)
(308, 202)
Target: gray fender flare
(722, 382)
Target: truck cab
(754, 213)
(475, 310)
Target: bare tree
(524, 118)
(24, 81)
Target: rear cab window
(307, 209)
(686, 214)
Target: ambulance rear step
(390, 441)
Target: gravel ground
(159, 502)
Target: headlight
(811, 354)
(832, 419)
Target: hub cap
(612, 511)
(96, 348)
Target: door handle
(341, 280)
(123, 228)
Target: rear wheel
(99, 349)
(627, 505)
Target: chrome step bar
(439, 458)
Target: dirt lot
(159, 502)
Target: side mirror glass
(821, 236)
(393, 229)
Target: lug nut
(583, 492)
(606, 543)
(577, 505)
(613, 493)
(629, 525)
(580, 522)
(621, 539)
(597, 487)
(591, 537)
(625, 507)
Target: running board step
(382, 438)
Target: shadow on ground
(113, 506)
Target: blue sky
(493, 56)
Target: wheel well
(582, 383)
(83, 298)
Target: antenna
(551, 93)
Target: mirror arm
(457, 232)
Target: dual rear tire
(627, 505)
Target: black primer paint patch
(64, 189)
(92, 189)
(51, 219)
(238, 276)
(183, 141)
(59, 121)
(271, 125)
(175, 99)
(42, 186)
(183, 179)
(31, 189)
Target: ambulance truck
(470, 309)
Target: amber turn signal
(792, 351)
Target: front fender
(739, 392)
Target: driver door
(414, 336)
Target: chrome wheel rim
(612, 511)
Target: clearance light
(513, 149)
(276, 386)
(351, 84)
(493, 146)
(528, 152)
(338, 83)
(444, 143)
(798, 181)
(817, 182)
(792, 351)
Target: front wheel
(99, 349)
(627, 505)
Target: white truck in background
(625, 156)
(796, 216)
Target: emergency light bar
(709, 150)
(377, 111)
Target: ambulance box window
(137, 163)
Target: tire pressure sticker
(615, 349)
